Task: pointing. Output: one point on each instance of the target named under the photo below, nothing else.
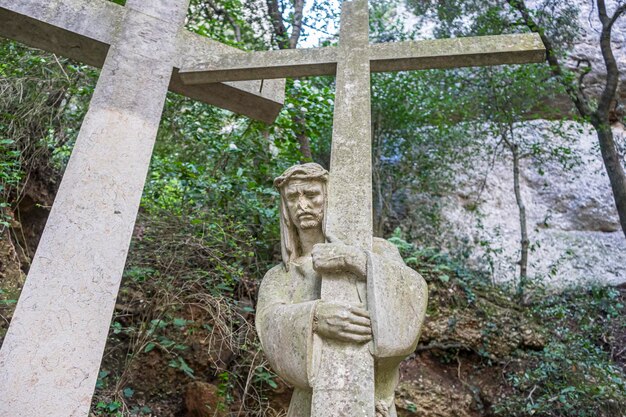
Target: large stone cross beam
(84, 30)
(343, 381)
(51, 354)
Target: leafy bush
(577, 373)
(575, 367)
(185, 312)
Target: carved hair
(289, 240)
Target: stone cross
(345, 383)
(51, 354)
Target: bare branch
(223, 12)
(620, 11)
(612, 71)
(583, 74)
(276, 18)
(604, 17)
(555, 65)
(296, 28)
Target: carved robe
(396, 299)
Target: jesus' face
(305, 201)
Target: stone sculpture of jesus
(290, 313)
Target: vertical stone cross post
(50, 357)
(51, 354)
(343, 382)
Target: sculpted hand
(336, 256)
(342, 322)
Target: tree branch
(602, 11)
(618, 12)
(583, 74)
(612, 71)
(296, 28)
(223, 12)
(276, 18)
(290, 42)
(555, 65)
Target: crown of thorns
(309, 171)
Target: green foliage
(311, 101)
(475, 116)
(227, 22)
(225, 387)
(417, 145)
(435, 264)
(10, 174)
(42, 103)
(411, 407)
(575, 374)
(112, 409)
(208, 226)
(179, 363)
(493, 17)
(262, 375)
(580, 369)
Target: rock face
(202, 400)
(572, 222)
(573, 227)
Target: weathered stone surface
(52, 351)
(426, 397)
(51, 354)
(399, 56)
(285, 63)
(317, 342)
(202, 400)
(457, 52)
(344, 385)
(572, 220)
(84, 30)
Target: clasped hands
(336, 320)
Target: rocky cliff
(573, 226)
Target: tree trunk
(303, 139)
(613, 167)
(276, 18)
(600, 117)
(524, 241)
(286, 41)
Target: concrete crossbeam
(400, 56)
(295, 63)
(83, 30)
(52, 351)
(457, 52)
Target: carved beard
(307, 224)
